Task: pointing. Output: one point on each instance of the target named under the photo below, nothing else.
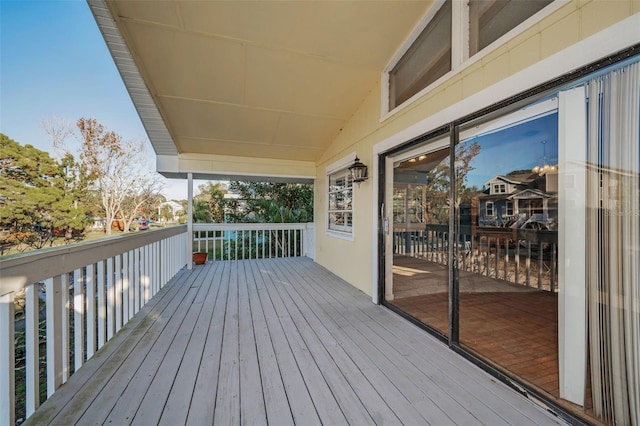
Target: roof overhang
(272, 81)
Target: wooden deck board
(177, 406)
(278, 342)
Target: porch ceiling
(264, 79)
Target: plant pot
(200, 257)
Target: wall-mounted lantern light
(358, 171)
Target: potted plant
(200, 257)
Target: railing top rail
(249, 226)
(18, 271)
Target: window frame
(487, 205)
(508, 207)
(340, 167)
(499, 188)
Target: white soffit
(261, 79)
(142, 100)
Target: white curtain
(613, 245)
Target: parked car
(143, 224)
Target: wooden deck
(278, 342)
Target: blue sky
(515, 148)
(54, 63)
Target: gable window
(450, 34)
(428, 59)
(499, 188)
(491, 19)
(489, 208)
(341, 202)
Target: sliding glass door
(524, 249)
(419, 207)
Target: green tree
(438, 183)
(212, 199)
(269, 202)
(111, 164)
(40, 198)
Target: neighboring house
(175, 208)
(296, 91)
(510, 201)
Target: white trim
(408, 42)
(340, 164)
(612, 39)
(572, 240)
(337, 234)
(459, 46)
(528, 113)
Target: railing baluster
(118, 293)
(497, 260)
(528, 263)
(517, 256)
(64, 324)
(554, 248)
(78, 319)
(540, 264)
(102, 305)
(111, 298)
(506, 259)
(136, 280)
(125, 288)
(7, 360)
(145, 279)
(54, 334)
(32, 348)
(90, 287)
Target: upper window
(341, 201)
(455, 31)
(499, 188)
(491, 19)
(428, 59)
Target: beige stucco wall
(570, 24)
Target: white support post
(54, 334)
(7, 361)
(78, 319)
(189, 220)
(32, 348)
(90, 289)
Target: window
(499, 188)
(428, 59)
(455, 31)
(489, 207)
(340, 202)
(491, 19)
(509, 208)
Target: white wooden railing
(91, 291)
(520, 256)
(228, 241)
